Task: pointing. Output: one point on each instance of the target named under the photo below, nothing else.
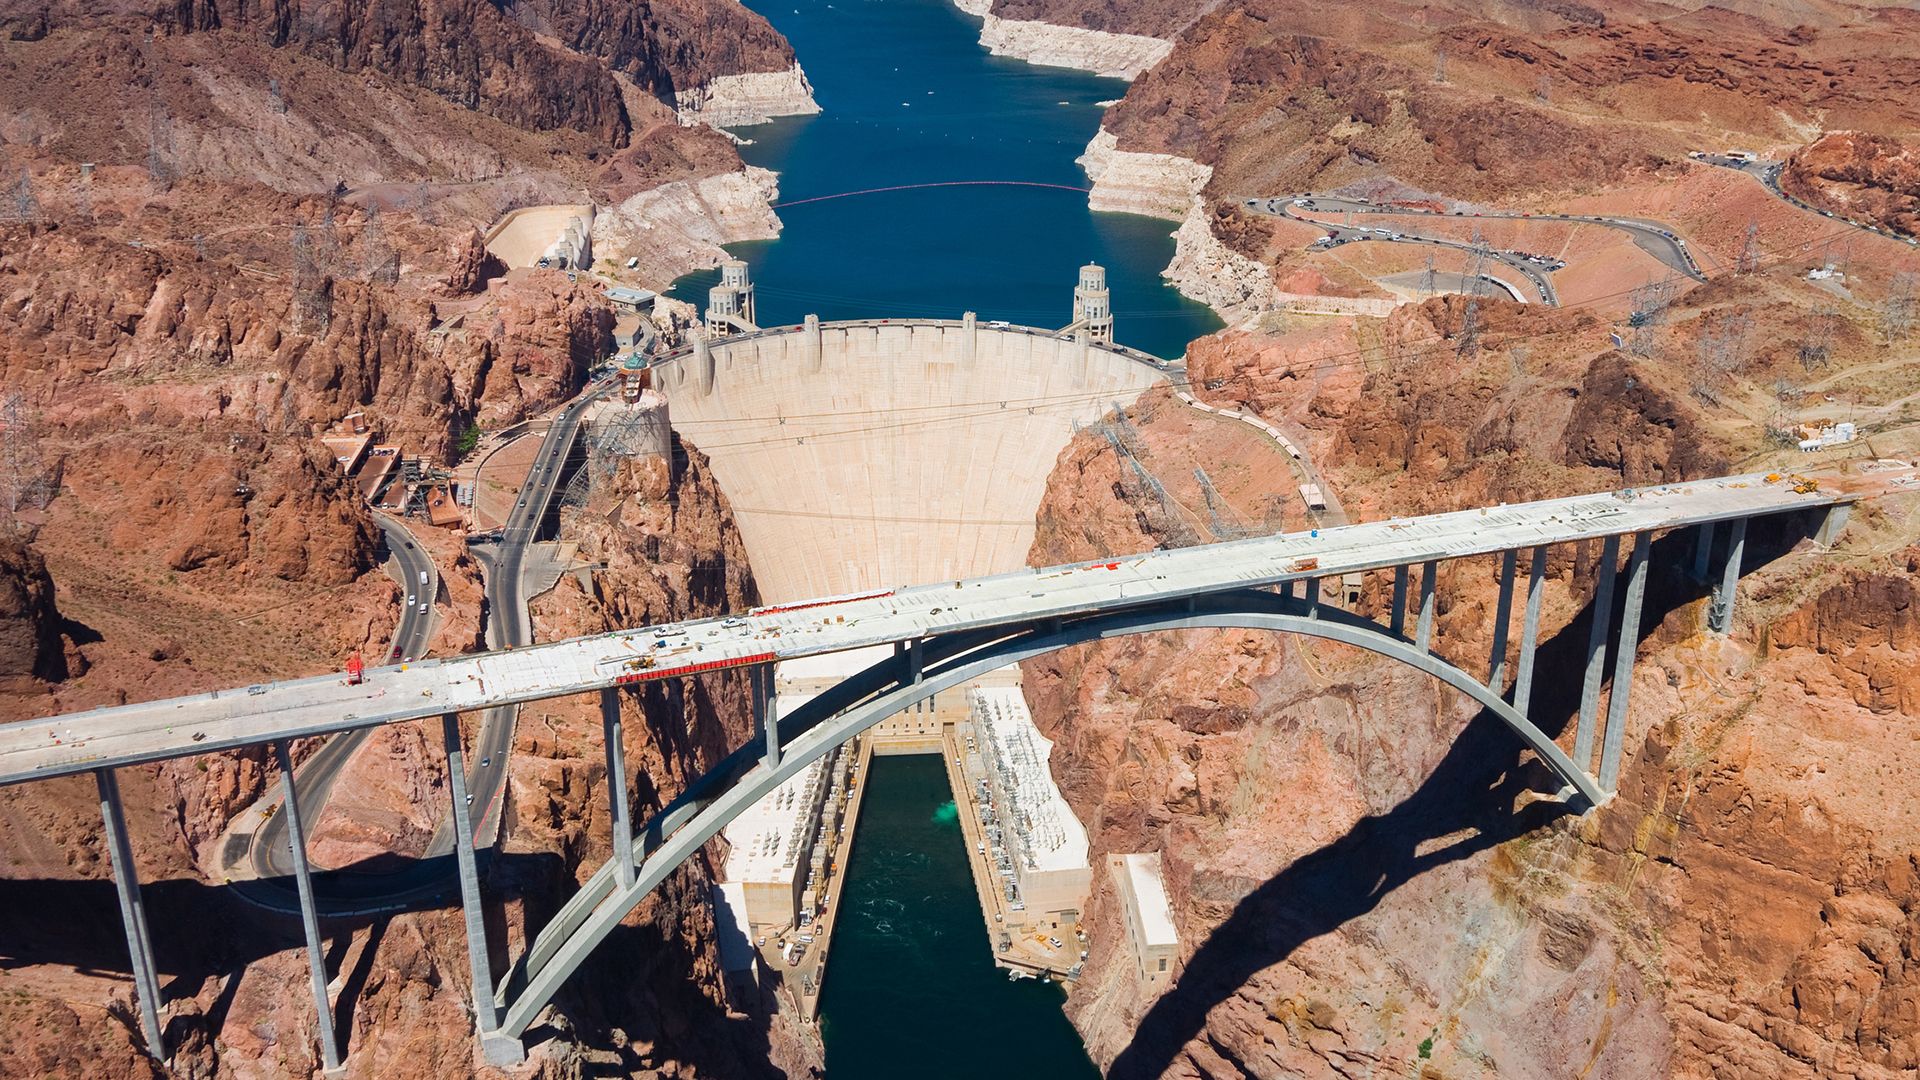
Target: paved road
(268, 852)
(177, 727)
(1337, 234)
(1652, 237)
(1768, 173)
(508, 627)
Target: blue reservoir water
(909, 97)
(911, 987)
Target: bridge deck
(129, 734)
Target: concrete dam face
(870, 455)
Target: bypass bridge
(944, 634)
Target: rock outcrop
(30, 646)
(749, 98)
(679, 227)
(1119, 56)
(1865, 177)
(1130, 182)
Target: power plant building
(774, 855)
(1038, 845)
(1149, 918)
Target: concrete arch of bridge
(885, 689)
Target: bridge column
(1702, 550)
(1720, 608)
(133, 913)
(1502, 615)
(769, 709)
(309, 918)
(1530, 630)
(500, 1048)
(1397, 617)
(1833, 524)
(1313, 598)
(1629, 647)
(1423, 633)
(611, 731)
(1596, 654)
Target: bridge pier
(1720, 607)
(1624, 657)
(309, 919)
(767, 704)
(1423, 634)
(1502, 616)
(1397, 615)
(1596, 653)
(1832, 524)
(133, 913)
(610, 730)
(1313, 598)
(1530, 630)
(1702, 551)
(500, 1048)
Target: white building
(1149, 919)
(771, 857)
(1039, 846)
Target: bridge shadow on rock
(1474, 787)
(204, 932)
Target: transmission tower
(1227, 526)
(1476, 281)
(312, 288)
(1818, 346)
(1440, 64)
(381, 260)
(1647, 312)
(1749, 260)
(1897, 310)
(1429, 286)
(25, 481)
(24, 208)
(160, 159)
(1543, 90)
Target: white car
(423, 607)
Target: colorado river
(909, 98)
(912, 989)
(912, 103)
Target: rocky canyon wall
(1102, 52)
(1362, 880)
(751, 98)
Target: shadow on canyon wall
(1473, 788)
(206, 935)
(206, 932)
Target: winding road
(1652, 237)
(1768, 173)
(349, 892)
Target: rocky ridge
(750, 98)
(1875, 178)
(1116, 55)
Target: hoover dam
(861, 455)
